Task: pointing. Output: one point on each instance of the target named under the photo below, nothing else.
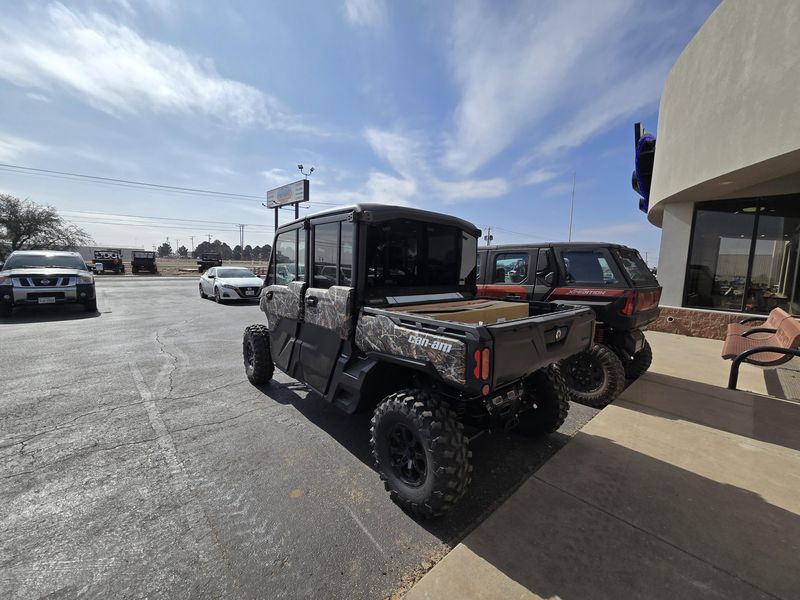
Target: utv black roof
(556, 245)
(387, 212)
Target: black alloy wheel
(407, 455)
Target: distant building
(726, 180)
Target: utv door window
(333, 254)
(511, 268)
(286, 268)
(588, 267)
(326, 248)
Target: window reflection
(744, 255)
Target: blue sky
(480, 109)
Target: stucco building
(726, 179)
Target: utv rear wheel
(594, 377)
(640, 362)
(258, 363)
(420, 452)
(547, 399)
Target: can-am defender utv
(385, 317)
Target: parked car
(398, 330)
(45, 277)
(144, 260)
(611, 279)
(110, 259)
(230, 283)
(208, 260)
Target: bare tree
(26, 224)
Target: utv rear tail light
(485, 364)
(476, 371)
(630, 302)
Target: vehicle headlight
(228, 286)
(85, 278)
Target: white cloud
(115, 70)
(365, 13)
(409, 157)
(538, 177)
(277, 177)
(38, 97)
(13, 148)
(521, 67)
(559, 189)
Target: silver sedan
(230, 283)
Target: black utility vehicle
(611, 279)
(111, 259)
(383, 315)
(144, 261)
(208, 260)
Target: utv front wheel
(258, 363)
(594, 377)
(640, 362)
(420, 452)
(547, 402)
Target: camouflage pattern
(378, 333)
(334, 309)
(286, 302)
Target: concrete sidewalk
(680, 489)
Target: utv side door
(508, 273)
(328, 320)
(282, 298)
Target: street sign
(288, 194)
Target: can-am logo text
(427, 343)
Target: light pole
(305, 176)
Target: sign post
(292, 193)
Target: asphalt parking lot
(137, 461)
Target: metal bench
(762, 346)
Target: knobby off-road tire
(640, 362)
(547, 397)
(420, 452)
(203, 295)
(594, 377)
(258, 363)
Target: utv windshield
(413, 257)
(635, 267)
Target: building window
(744, 255)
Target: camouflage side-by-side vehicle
(382, 315)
